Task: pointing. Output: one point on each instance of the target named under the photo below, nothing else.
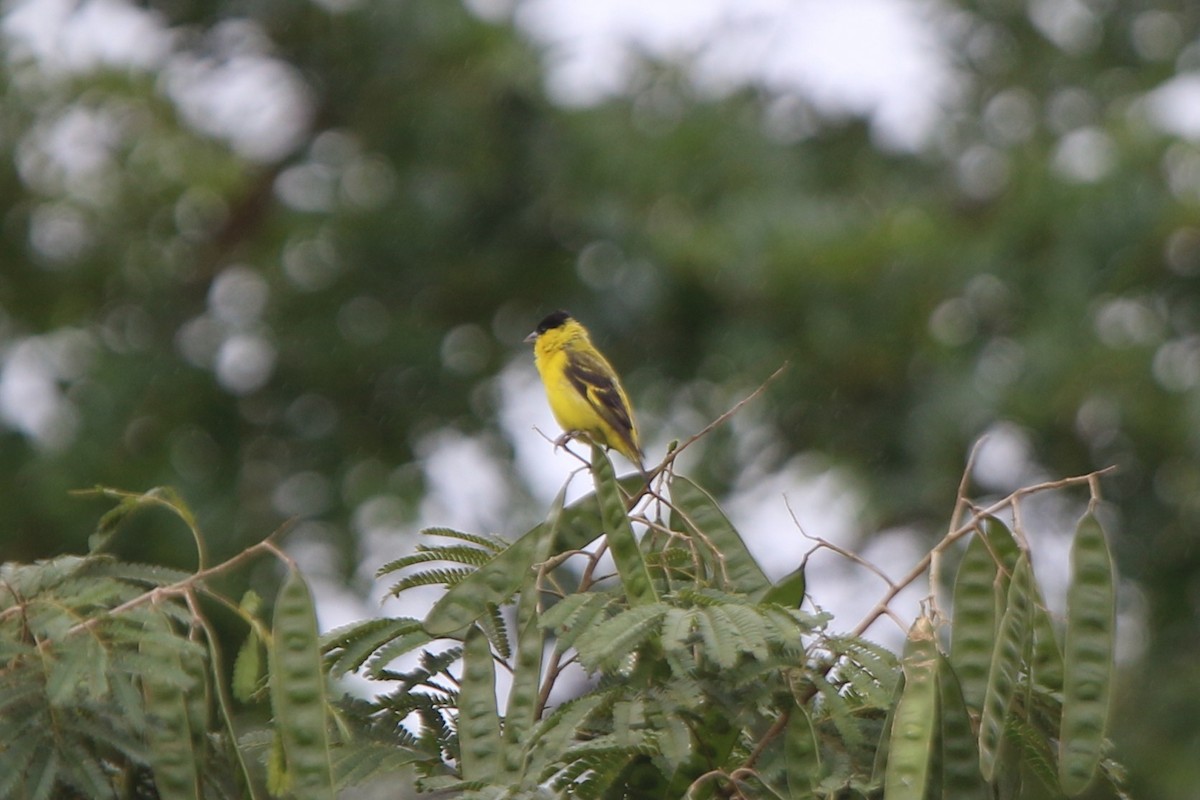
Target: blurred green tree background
(267, 252)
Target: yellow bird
(584, 391)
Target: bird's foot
(565, 439)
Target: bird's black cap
(553, 321)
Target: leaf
(455, 554)
(552, 735)
(1004, 548)
(802, 754)
(431, 577)
(358, 761)
(128, 502)
(80, 673)
(496, 628)
(172, 751)
(679, 638)
(42, 774)
(838, 709)
(148, 574)
(1087, 687)
(486, 542)
(698, 512)
(497, 580)
(788, 590)
(402, 644)
(347, 648)
(1047, 663)
(617, 637)
(870, 669)
(521, 712)
(574, 611)
(248, 668)
(1039, 775)
(720, 643)
(749, 628)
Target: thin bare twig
(964, 483)
(694, 530)
(776, 728)
(960, 502)
(1018, 526)
(825, 544)
(185, 586)
(557, 664)
(671, 456)
(962, 530)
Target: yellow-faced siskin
(584, 391)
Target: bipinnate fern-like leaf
(576, 615)
(348, 648)
(430, 577)
(68, 677)
(615, 639)
(455, 554)
(719, 631)
(568, 527)
(868, 670)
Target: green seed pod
(478, 719)
(635, 576)
(911, 744)
(298, 692)
(1006, 662)
(1088, 660)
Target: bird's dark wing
(593, 378)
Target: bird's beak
(531, 338)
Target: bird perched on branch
(584, 391)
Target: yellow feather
(584, 391)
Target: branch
(184, 587)
(825, 544)
(671, 456)
(960, 502)
(964, 529)
(776, 728)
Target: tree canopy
(270, 302)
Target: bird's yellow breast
(571, 410)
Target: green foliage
(104, 675)
(112, 682)
(702, 685)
